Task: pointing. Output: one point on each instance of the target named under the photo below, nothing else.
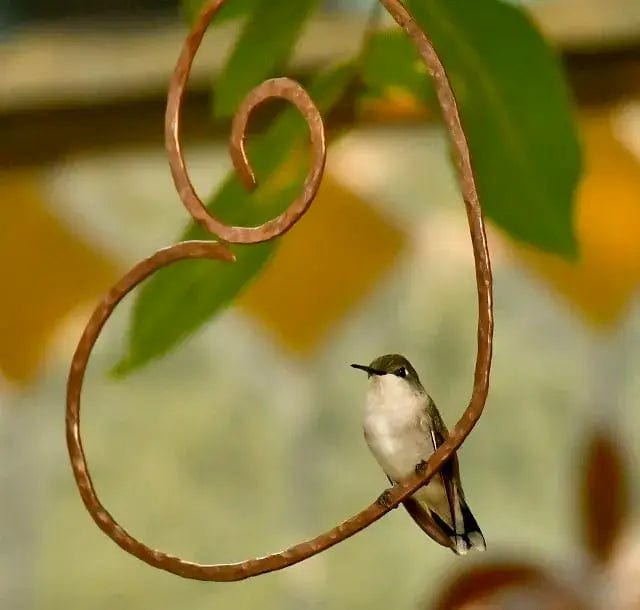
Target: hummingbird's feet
(421, 467)
(384, 499)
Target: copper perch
(292, 91)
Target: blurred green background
(246, 437)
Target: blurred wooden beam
(80, 64)
(65, 92)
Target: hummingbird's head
(390, 364)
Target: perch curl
(293, 92)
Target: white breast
(395, 425)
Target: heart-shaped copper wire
(292, 91)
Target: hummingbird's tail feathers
(472, 534)
(443, 525)
(465, 542)
(460, 543)
(424, 519)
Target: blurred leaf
(392, 63)
(177, 300)
(604, 282)
(232, 9)
(482, 587)
(605, 496)
(266, 42)
(517, 116)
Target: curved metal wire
(304, 550)
(284, 88)
(162, 258)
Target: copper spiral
(292, 91)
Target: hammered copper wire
(284, 88)
(304, 550)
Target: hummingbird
(402, 428)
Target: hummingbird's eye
(401, 372)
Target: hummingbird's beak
(368, 370)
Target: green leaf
(232, 9)
(516, 112)
(265, 44)
(391, 61)
(177, 300)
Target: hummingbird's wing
(426, 523)
(420, 512)
(425, 516)
(466, 533)
(448, 474)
